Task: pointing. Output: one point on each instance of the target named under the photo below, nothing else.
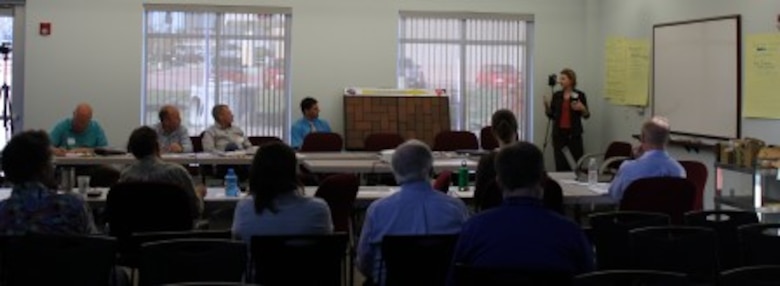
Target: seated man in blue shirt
(310, 122)
(416, 209)
(79, 134)
(653, 160)
(521, 233)
(171, 135)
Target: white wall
(94, 53)
(635, 18)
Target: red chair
(382, 141)
(697, 174)
(340, 192)
(455, 140)
(443, 182)
(666, 195)
(486, 139)
(322, 142)
(260, 140)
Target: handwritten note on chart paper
(628, 70)
(762, 72)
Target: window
(481, 59)
(198, 56)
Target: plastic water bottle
(593, 173)
(463, 177)
(231, 183)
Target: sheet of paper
(762, 71)
(627, 63)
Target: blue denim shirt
(653, 163)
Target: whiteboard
(697, 75)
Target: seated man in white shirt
(652, 159)
(223, 136)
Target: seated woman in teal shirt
(78, 134)
(309, 123)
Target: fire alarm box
(45, 29)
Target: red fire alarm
(45, 29)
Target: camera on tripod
(5, 48)
(552, 80)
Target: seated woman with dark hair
(34, 205)
(277, 205)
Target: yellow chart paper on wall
(628, 71)
(762, 72)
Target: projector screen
(697, 75)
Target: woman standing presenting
(565, 109)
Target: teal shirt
(92, 137)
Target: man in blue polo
(78, 134)
(310, 122)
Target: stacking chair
(313, 259)
(486, 139)
(186, 260)
(476, 276)
(725, 224)
(382, 141)
(668, 195)
(696, 172)
(609, 233)
(261, 140)
(340, 192)
(631, 277)
(760, 244)
(684, 249)
(449, 141)
(417, 259)
(322, 142)
(57, 260)
(762, 275)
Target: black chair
(476, 276)
(762, 275)
(314, 259)
(210, 284)
(183, 260)
(609, 234)
(760, 244)
(683, 249)
(417, 259)
(631, 277)
(131, 245)
(148, 207)
(57, 260)
(725, 224)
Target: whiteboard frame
(738, 21)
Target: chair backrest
(443, 182)
(316, 259)
(186, 260)
(210, 283)
(197, 142)
(382, 141)
(261, 140)
(725, 223)
(696, 172)
(486, 139)
(455, 140)
(760, 244)
(488, 197)
(668, 195)
(322, 142)
(340, 192)
(147, 207)
(553, 195)
(610, 235)
(103, 176)
(417, 259)
(617, 149)
(477, 276)
(762, 275)
(57, 260)
(684, 249)
(631, 277)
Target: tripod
(5, 92)
(549, 122)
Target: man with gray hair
(652, 158)
(223, 136)
(416, 209)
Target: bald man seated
(79, 134)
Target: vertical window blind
(481, 59)
(198, 56)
